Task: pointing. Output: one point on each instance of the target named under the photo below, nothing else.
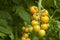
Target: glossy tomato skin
(23, 38)
(33, 9)
(36, 16)
(34, 22)
(44, 26)
(26, 29)
(30, 29)
(44, 12)
(36, 28)
(44, 19)
(42, 33)
(25, 35)
(28, 39)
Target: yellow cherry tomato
(44, 26)
(25, 35)
(34, 22)
(26, 29)
(33, 9)
(36, 16)
(28, 39)
(36, 28)
(23, 38)
(30, 29)
(44, 19)
(44, 12)
(42, 33)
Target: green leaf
(56, 14)
(23, 14)
(51, 11)
(11, 36)
(48, 3)
(7, 31)
(2, 35)
(16, 1)
(35, 38)
(58, 3)
(4, 26)
(30, 3)
(4, 30)
(3, 22)
(5, 15)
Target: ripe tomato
(30, 29)
(33, 9)
(25, 35)
(44, 19)
(23, 38)
(26, 29)
(42, 33)
(44, 12)
(34, 22)
(44, 26)
(36, 28)
(28, 39)
(36, 16)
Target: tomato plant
(42, 33)
(33, 9)
(34, 22)
(25, 35)
(45, 19)
(44, 12)
(36, 28)
(44, 26)
(16, 15)
(36, 16)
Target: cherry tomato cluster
(25, 35)
(39, 23)
(39, 20)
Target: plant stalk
(39, 5)
(16, 33)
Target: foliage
(13, 14)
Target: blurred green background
(13, 14)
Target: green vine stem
(54, 13)
(16, 33)
(39, 5)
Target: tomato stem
(25, 24)
(16, 33)
(39, 5)
(54, 13)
